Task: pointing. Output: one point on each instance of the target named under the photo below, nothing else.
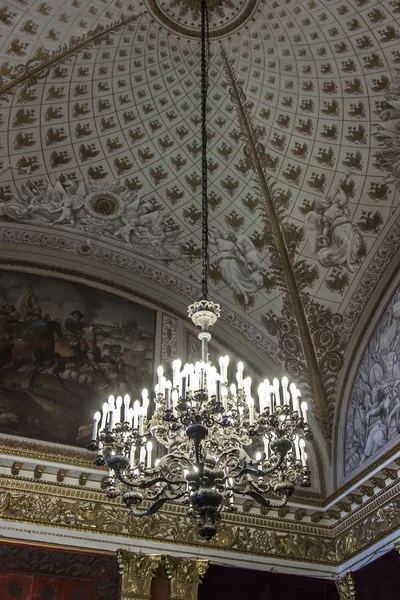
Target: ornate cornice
(63, 507)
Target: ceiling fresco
(100, 138)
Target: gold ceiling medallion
(183, 16)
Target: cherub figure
(68, 213)
(330, 232)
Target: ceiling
(100, 148)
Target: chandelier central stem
(205, 55)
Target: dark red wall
(43, 573)
(225, 583)
(379, 579)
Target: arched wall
(366, 417)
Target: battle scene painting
(64, 348)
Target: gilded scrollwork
(42, 504)
(185, 574)
(346, 587)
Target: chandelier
(203, 441)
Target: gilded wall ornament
(138, 571)
(186, 574)
(44, 504)
(346, 587)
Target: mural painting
(373, 418)
(63, 347)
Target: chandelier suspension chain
(205, 55)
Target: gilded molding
(39, 503)
(78, 457)
(346, 587)
(185, 574)
(138, 571)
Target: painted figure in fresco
(239, 263)
(74, 325)
(61, 348)
(373, 418)
(332, 236)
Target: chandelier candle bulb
(168, 395)
(127, 401)
(304, 410)
(176, 369)
(149, 448)
(239, 376)
(224, 396)
(202, 378)
(111, 420)
(100, 449)
(297, 447)
(222, 368)
(96, 420)
(175, 398)
(105, 410)
(295, 397)
(141, 420)
(260, 392)
(250, 403)
(118, 406)
(160, 373)
(218, 391)
(285, 393)
(142, 457)
(272, 398)
(136, 409)
(130, 416)
(277, 392)
(267, 395)
(183, 388)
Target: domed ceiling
(100, 154)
